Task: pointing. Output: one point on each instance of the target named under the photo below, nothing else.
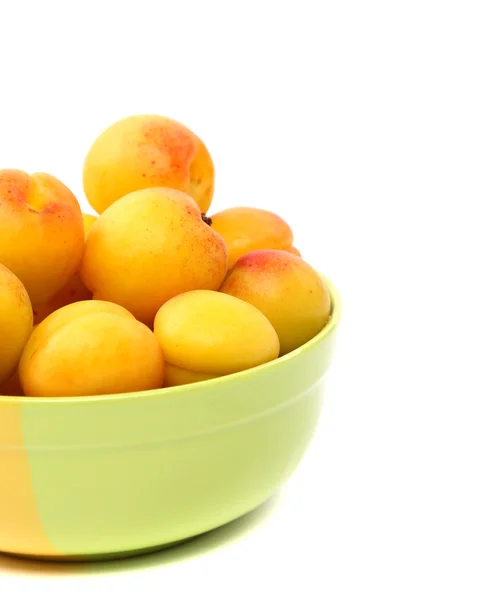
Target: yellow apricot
(16, 322)
(150, 246)
(145, 151)
(96, 353)
(41, 232)
(61, 317)
(177, 376)
(287, 290)
(246, 229)
(212, 333)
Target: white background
(375, 129)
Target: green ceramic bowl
(102, 477)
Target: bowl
(102, 477)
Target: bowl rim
(165, 393)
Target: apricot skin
(16, 322)
(246, 229)
(41, 232)
(148, 247)
(210, 333)
(96, 353)
(73, 291)
(287, 290)
(145, 151)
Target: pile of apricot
(150, 291)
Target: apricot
(73, 291)
(95, 353)
(246, 229)
(150, 246)
(41, 232)
(62, 317)
(208, 333)
(287, 290)
(293, 250)
(145, 151)
(16, 322)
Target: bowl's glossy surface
(97, 477)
